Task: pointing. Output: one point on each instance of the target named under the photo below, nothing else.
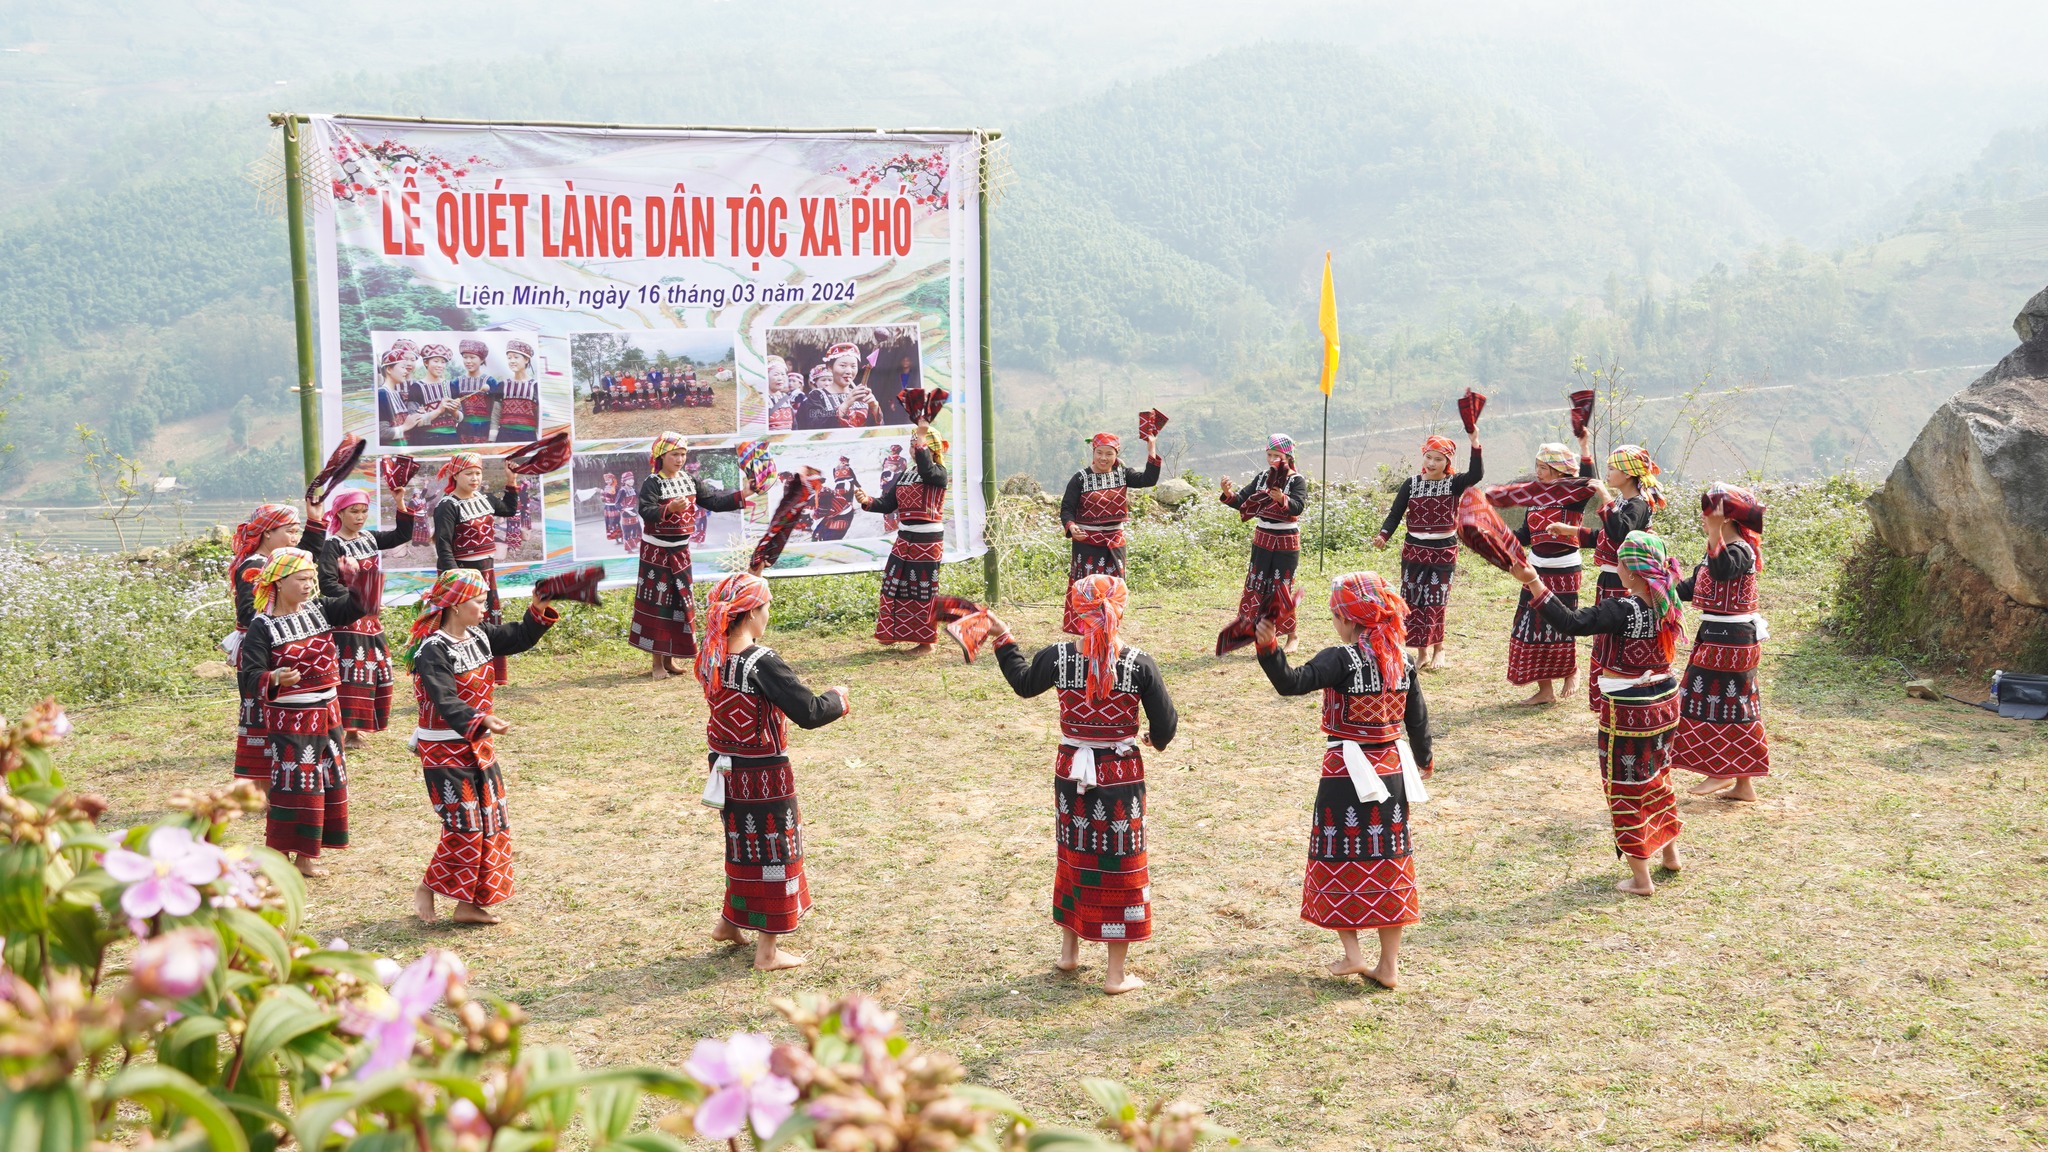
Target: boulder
(1974, 486)
(1022, 484)
(1173, 492)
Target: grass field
(1860, 961)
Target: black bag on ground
(2020, 695)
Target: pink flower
(163, 881)
(744, 1088)
(176, 964)
(467, 1120)
(390, 1020)
(862, 1018)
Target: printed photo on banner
(868, 465)
(442, 389)
(521, 536)
(604, 500)
(639, 384)
(847, 376)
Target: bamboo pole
(991, 563)
(302, 295)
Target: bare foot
(773, 958)
(921, 650)
(1541, 697)
(1070, 952)
(1346, 966)
(423, 903)
(306, 867)
(672, 669)
(725, 933)
(1293, 642)
(353, 740)
(1744, 791)
(1570, 687)
(1670, 861)
(1632, 888)
(1382, 974)
(1709, 786)
(659, 672)
(467, 913)
(1129, 983)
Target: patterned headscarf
(1106, 439)
(519, 348)
(1444, 445)
(452, 587)
(1648, 556)
(1280, 442)
(436, 352)
(663, 444)
(346, 498)
(396, 354)
(249, 533)
(840, 351)
(1369, 601)
(821, 372)
(1557, 456)
(475, 348)
(733, 596)
(1096, 603)
(283, 562)
(459, 463)
(1743, 510)
(1635, 460)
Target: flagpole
(1323, 536)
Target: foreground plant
(157, 990)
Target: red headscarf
(1367, 600)
(456, 465)
(1096, 604)
(1743, 510)
(1106, 440)
(249, 533)
(733, 596)
(1443, 444)
(452, 587)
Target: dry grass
(1858, 962)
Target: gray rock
(1173, 492)
(1976, 479)
(1022, 484)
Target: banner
(481, 286)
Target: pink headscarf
(346, 498)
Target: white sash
(1365, 779)
(1082, 769)
(1763, 627)
(714, 788)
(1538, 560)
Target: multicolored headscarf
(840, 351)
(663, 444)
(1096, 605)
(1743, 509)
(1369, 601)
(455, 586)
(396, 354)
(456, 465)
(1635, 460)
(821, 372)
(346, 498)
(732, 597)
(1106, 440)
(1557, 456)
(1442, 445)
(436, 352)
(249, 533)
(283, 562)
(1648, 556)
(1280, 442)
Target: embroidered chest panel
(1637, 648)
(743, 721)
(359, 548)
(1431, 505)
(1365, 707)
(1113, 718)
(1737, 597)
(303, 624)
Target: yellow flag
(1327, 320)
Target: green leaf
(283, 1016)
(74, 932)
(1112, 1098)
(52, 1119)
(990, 1100)
(361, 965)
(319, 1111)
(192, 1046)
(177, 1090)
(249, 1106)
(260, 938)
(318, 1049)
(381, 1142)
(551, 1086)
(290, 885)
(797, 1127)
(23, 954)
(608, 1110)
(649, 1141)
(1065, 1140)
(516, 1140)
(22, 893)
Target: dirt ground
(1859, 961)
(720, 419)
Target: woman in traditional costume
(453, 650)
(752, 694)
(396, 416)
(1361, 847)
(267, 530)
(1097, 505)
(1429, 554)
(466, 525)
(352, 561)
(519, 397)
(894, 465)
(836, 399)
(288, 662)
(608, 496)
(1720, 710)
(781, 412)
(664, 612)
(1638, 699)
(1556, 503)
(917, 495)
(1629, 499)
(1276, 546)
(1102, 887)
(476, 392)
(432, 395)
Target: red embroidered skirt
(1361, 857)
(1268, 589)
(1426, 572)
(1609, 587)
(1635, 735)
(1536, 651)
(473, 860)
(1102, 884)
(1720, 710)
(365, 690)
(308, 779)
(909, 581)
(664, 612)
(765, 888)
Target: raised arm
(514, 637)
(1161, 721)
(1607, 617)
(884, 504)
(398, 536)
(780, 684)
(722, 500)
(1145, 477)
(1325, 669)
(506, 503)
(1475, 471)
(245, 592)
(929, 469)
(1731, 560)
(343, 609)
(1028, 676)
